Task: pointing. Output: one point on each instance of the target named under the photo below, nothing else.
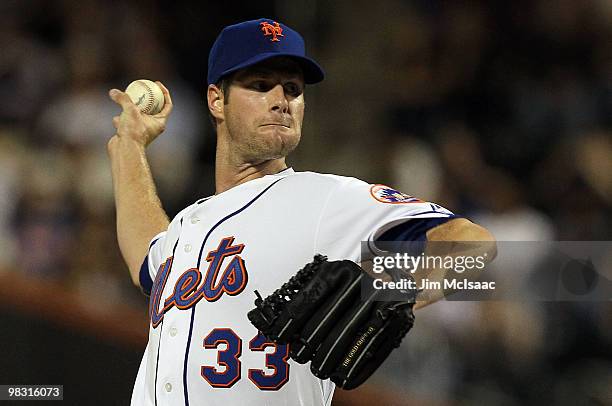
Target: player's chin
(280, 143)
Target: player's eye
(260, 85)
(293, 89)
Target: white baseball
(146, 95)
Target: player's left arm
(465, 233)
(344, 327)
(462, 229)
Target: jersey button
(168, 387)
(187, 247)
(173, 332)
(194, 220)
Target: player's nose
(278, 99)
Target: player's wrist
(117, 145)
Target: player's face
(265, 108)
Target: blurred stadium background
(499, 110)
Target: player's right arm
(140, 215)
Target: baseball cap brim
(313, 73)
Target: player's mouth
(276, 125)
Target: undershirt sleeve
(151, 262)
(411, 236)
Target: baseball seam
(150, 100)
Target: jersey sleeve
(151, 263)
(356, 211)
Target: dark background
(500, 111)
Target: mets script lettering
(189, 288)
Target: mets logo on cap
(385, 194)
(272, 30)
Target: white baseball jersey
(202, 349)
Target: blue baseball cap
(245, 44)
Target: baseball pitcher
(232, 321)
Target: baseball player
(264, 222)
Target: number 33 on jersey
(226, 274)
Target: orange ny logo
(274, 30)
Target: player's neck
(229, 174)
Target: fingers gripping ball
(326, 318)
(146, 95)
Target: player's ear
(215, 101)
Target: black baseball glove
(324, 317)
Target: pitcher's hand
(140, 127)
